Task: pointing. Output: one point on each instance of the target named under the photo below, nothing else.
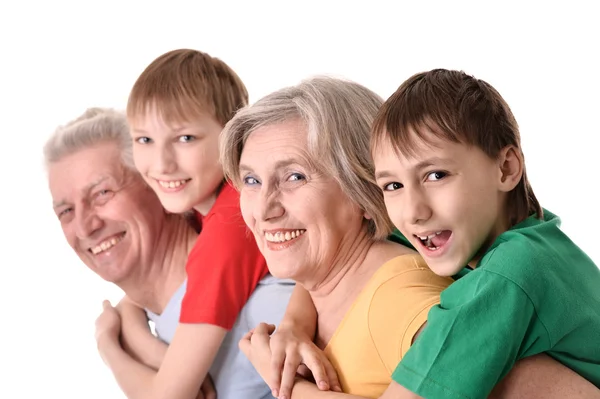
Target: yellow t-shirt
(379, 327)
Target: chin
(281, 272)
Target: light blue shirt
(233, 374)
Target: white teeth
(437, 233)
(172, 184)
(104, 245)
(283, 237)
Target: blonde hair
(338, 115)
(184, 84)
(94, 126)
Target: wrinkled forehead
(278, 144)
(76, 174)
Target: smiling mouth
(435, 241)
(172, 183)
(283, 236)
(107, 244)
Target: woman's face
(303, 223)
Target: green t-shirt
(533, 291)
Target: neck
(341, 279)
(156, 283)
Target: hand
(207, 389)
(293, 353)
(108, 324)
(257, 346)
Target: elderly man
(118, 228)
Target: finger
(264, 328)
(245, 345)
(334, 381)
(288, 375)
(318, 371)
(277, 359)
(106, 304)
(261, 338)
(208, 389)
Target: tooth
(293, 235)
(288, 236)
(438, 233)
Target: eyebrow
(419, 166)
(279, 164)
(85, 190)
(431, 162)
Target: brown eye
(392, 186)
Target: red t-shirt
(224, 267)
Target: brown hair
(457, 107)
(185, 84)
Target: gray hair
(338, 115)
(94, 126)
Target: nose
(166, 160)
(268, 205)
(416, 206)
(87, 223)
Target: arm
(300, 315)
(307, 390)
(180, 375)
(223, 270)
(472, 339)
(136, 337)
(541, 377)
(292, 346)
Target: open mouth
(107, 244)
(436, 240)
(173, 184)
(283, 236)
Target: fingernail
(337, 388)
(323, 385)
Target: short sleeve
(223, 269)
(472, 339)
(398, 310)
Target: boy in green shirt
(448, 158)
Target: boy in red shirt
(176, 111)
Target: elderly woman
(300, 157)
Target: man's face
(109, 216)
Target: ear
(510, 162)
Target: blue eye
(186, 138)
(143, 140)
(392, 186)
(250, 181)
(435, 176)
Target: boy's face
(179, 160)
(445, 199)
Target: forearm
(300, 315)
(136, 337)
(134, 378)
(304, 389)
(541, 376)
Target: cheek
(141, 157)
(393, 210)
(246, 208)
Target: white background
(57, 59)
